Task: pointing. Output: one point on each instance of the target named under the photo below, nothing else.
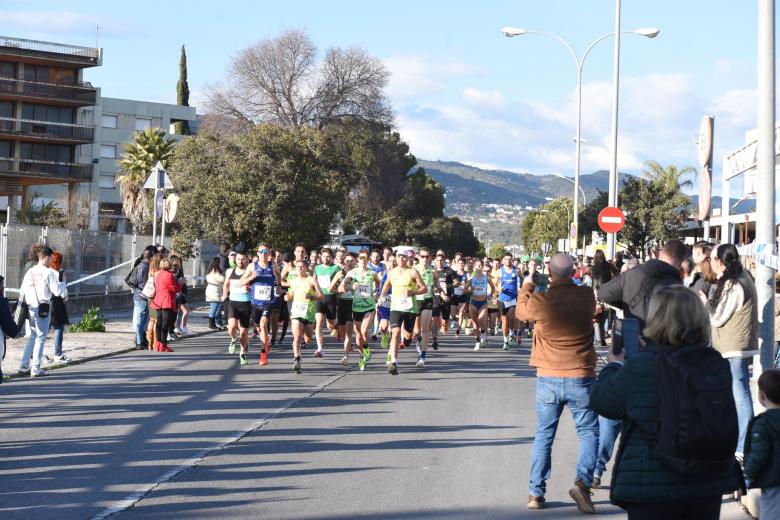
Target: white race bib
(480, 290)
(236, 287)
(510, 303)
(300, 309)
(386, 301)
(262, 292)
(324, 281)
(458, 291)
(363, 291)
(403, 303)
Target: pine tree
(183, 92)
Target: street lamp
(582, 192)
(511, 32)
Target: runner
(304, 291)
(492, 306)
(364, 282)
(458, 308)
(387, 257)
(442, 293)
(289, 273)
(507, 298)
(479, 287)
(405, 283)
(424, 302)
(263, 293)
(375, 264)
(325, 273)
(344, 307)
(341, 253)
(239, 305)
(280, 305)
(383, 310)
(495, 276)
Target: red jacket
(165, 289)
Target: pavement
(194, 434)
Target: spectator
(703, 275)
(734, 320)
(224, 261)
(687, 266)
(59, 313)
(7, 324)
(601, 274)
(138, 279)
(165, 289)
(565, 362)
(151, 329)
(641, 484)
(39, 284)
(215, 279)
(181, 299)
(762, 446)
(162, 251)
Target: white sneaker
(477, 345)
(483, 341)
(38, 372)
(177, 330)
(171, 338)
(345, 361)
(62, 358)
(420, 362)
(184, 330)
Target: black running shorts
(241, 311)
(398, 318)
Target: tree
(589, 216)
(147, 147)
(655, 206)
(183, 93)
(280, 80)
(269, 184)
(497, 250)
(546, 225)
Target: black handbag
(21, 313)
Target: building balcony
(79, 93)
(34, 51)
(31, 171)
(45, 131)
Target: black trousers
(165, 320)
(706, 508)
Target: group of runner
(395, 297)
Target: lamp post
(511, 32)
(582, 192)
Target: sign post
(158, 180)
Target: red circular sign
(611, 219)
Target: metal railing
(76, 91)
(89, 53)
(60, 170)
(47, 129)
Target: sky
(461, 90)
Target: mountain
(470, 185)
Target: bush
(91, 321)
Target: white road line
(140, 493)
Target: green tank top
(324, 275)
(427, 278)
(363, 290)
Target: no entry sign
(611, 219)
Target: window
(7, 70)
(33, 73)
(109, 121)
(47, 152)
(106, 181)
(47, 113)
(6, 109)
(142, 123)
(5, 149)
(108, 151)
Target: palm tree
(671, 178)
(148, 147)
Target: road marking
(140, 493)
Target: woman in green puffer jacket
(640, 483)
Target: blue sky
(461, 90)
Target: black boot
(212, 325)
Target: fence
(87, 253)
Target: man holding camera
(565, 361)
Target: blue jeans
(140, 320)
(214, 311)
(740, 386)
(39, 328)
(552, 393)
(608, 434)
(59, 332)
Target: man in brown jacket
(565, 362)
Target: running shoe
(468, 331)
(318, 353)
(506, 345)
(393, 369)
(345, 361)
(457, 333)
(184, 330)
(242, 358)
(418, 347)
(232, 347)
(402, 345)
(435, 344)
(389, 358)
(177, 331)
(263, 358)
(385, 341)
(477, 345)
(62, 358)
(297, 366)
(38, 372)
(373, 337)
(334, 333)
(362, 364)
(420, 362)
(366, 354)
(483, 341)
(25, 371)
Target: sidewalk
(85, 346)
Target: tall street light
(511, 32)
(582, 192)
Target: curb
(101, 356)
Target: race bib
(403, 303)
(386, 301)
(299, 309)
(480, 290)
(510, 303)
(236, 287)
(458, 291)
(263, 292)
(364, 291)
(324, 281)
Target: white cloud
(414, 77)
(483, 97)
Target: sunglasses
(263, 251)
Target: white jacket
(40, 283)
(214, 285)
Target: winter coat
(165, 288)
(762, 450)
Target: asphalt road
(192, 434)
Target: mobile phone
(625, 336)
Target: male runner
(383, 309)
(304, 291)
(405, 283)
(363, 281)
(263, 283)
(344, 306)
(424, 302)
(239, 306)
(442, 293)
(326, 309)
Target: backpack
(697, 416)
